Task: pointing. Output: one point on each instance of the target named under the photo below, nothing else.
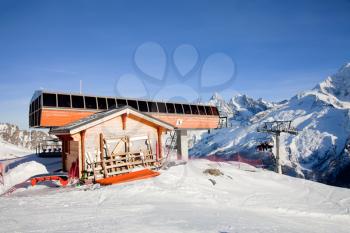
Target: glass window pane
(111, 103)
(152, 106)
(121, 103)
(201, 110)
(39, 118)
(194, 109)
(32, 119)
(77, 101)
(208, 110)
(32, 106)
(39, 102)
(36, 104)
(133, 104)
(49, 100)
(187, 108)
(101, 103)
(179, 109)
(215, 111)
(161, 107)
(90, 102)
(63, 101)
(170, 107)
(143, 106)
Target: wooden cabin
(112, 142)
(54, 109)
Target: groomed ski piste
(183, 198)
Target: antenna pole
(81, 87)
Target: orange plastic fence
(138, 175)
(35, 180)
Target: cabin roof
(101, 117)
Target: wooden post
(124, 117)
(159, 145)
(102, 157)
(82, 144)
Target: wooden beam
(124, 117)
(102, 157)
(159, 143)
(82, 144)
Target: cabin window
(121, 103)
(152, 106)
(77, 101)
(187, 108)
(179, 108)
(101, 103)
(208, 110)
(194, 109)
(90, 102)
(215, 111)
(111, 103)
(36, 104)
(201, 109)
(161, 107)
(34, 119)
(39, 117)
(132, 103)
(63, 101)
(170, 107)
(49, 100)
(143, 106)
(31, 120)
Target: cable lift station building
(108, 136)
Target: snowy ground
(10, 151)
(20, 164)
(183, 199)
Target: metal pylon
(276, 128)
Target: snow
(21, 173)
(10, 151)
(183, 199)
(19, 164)
(322, 116)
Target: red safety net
(238, 158)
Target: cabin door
(73, 154)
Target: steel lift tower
(276, 128)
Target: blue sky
(278, 47)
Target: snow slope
(10, 151)
(322, 116)
(183, 199)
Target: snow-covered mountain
(23, 138)
(240, 107)
(319, 151)
(224, 108)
